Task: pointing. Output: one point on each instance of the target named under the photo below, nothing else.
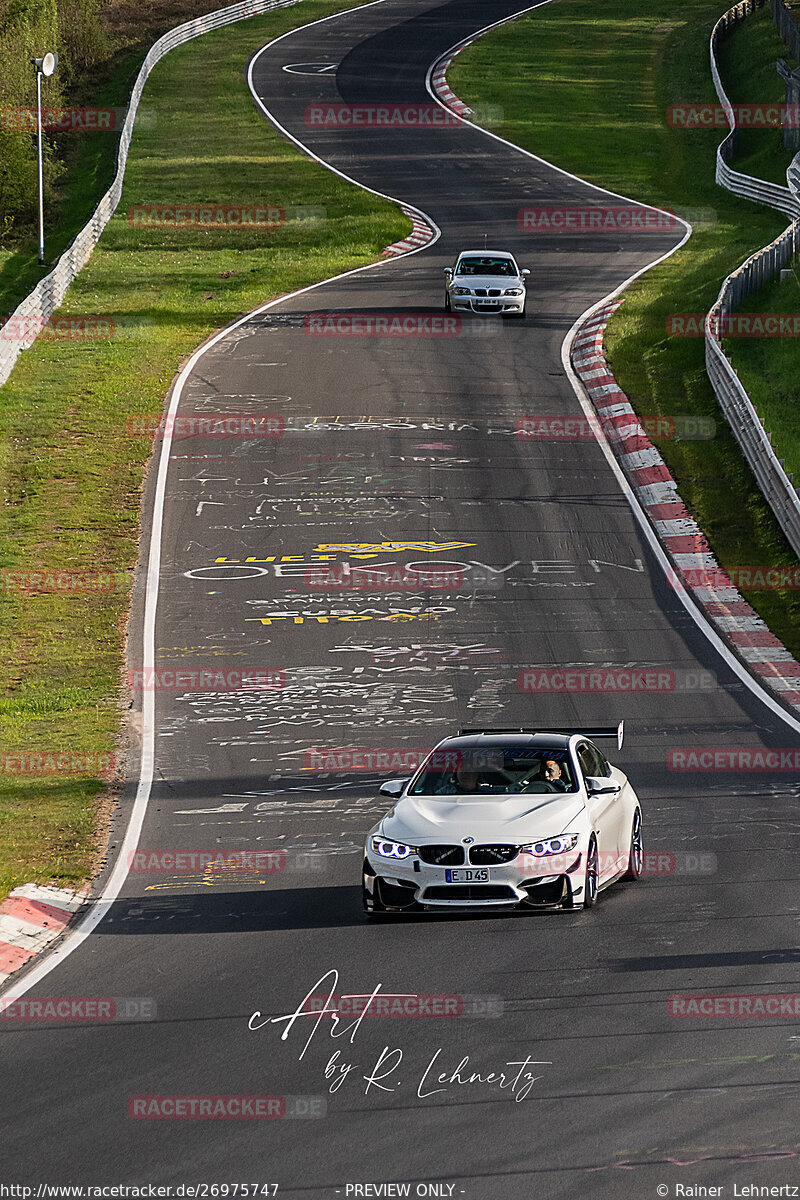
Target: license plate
(479, 875)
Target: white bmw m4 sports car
(485, 281)
(507, 819)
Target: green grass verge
(588, 89)
(769, 368)
(747, 60)
(71, 474)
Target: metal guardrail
(759, 190)
(738, 408)
(787, 27)
(793, 175)
(27, 320)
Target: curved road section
(399, 451)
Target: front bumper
(493, 304)
(416, 886)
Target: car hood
(487, 281)
(450, 818)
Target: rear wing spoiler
(596, 731)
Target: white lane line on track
(410, 208)
(537, 158)
(100, 907)
(653, 542)
(585, 322)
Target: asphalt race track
(404, 450)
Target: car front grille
(487, 291)
(470, 891)
(487, 856)
(442, 856)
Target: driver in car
(553, 774)
(466, 779)
(463, 781)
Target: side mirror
(392, 788)
(448, 270)
(600, 785)
(524, 271)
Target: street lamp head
(46, 65)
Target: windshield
(486, 266)
(495, 771)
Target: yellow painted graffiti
(326, 551)
(211, 878)
(297, 619)
(359, 549)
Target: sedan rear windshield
(486, 266)
(495, 772)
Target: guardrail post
(791, 121)
(786, 26)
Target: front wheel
(447, 304)
(636, 851)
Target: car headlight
(555, 845)
(388, 849)
(513, 292)
(461, 291)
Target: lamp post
(44, 66)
